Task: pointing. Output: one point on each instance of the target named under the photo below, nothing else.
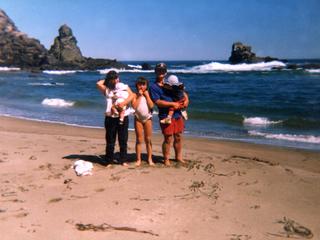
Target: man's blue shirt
(158, 93)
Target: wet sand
(227, 190)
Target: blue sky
(174, 29)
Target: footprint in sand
(54, 200)
(32, 158)
(21, 215)
(99, 190)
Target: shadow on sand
(99, 159)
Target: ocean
(255, 103)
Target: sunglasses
(161, 71)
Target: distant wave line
(287, 137)
(61, 72)
(212, 67)
(313, 70)
(46, 84)
(8, 69)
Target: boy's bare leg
(147, 138)
(139, 139)
(166, 149)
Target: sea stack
(241, 53)
(64, 49)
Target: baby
(114, 97)
(175, 89)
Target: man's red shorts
(176, 126)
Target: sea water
(246, 102)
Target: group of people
(167, 93)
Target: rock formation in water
(241, 53)
(65, 49)
(146, 66)
(19, 50)
(16, 48)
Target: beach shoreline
(228, 189)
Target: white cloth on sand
(82, 168)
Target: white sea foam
(135, 66)
(46, 84)
(60, 72)
(224, 67)
(212, 67)
(8, 69)
(288, 137)
(261, 121)
(105, 71)
(57, 102)
(313, 70)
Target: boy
(175, 89)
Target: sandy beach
(227, 190)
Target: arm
(101, 87)
(165, 104)
(135, 101)
(186, 100)
(148, 98)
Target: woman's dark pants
(113, 128)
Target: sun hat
(172, 80)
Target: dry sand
(228, 190)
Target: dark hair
(161, 68)
(111, 75)
(142, 80)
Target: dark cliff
(16, 48)
(19, 50)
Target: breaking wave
(313, 70)
(223, 67)
(105, 71)
(288, 137)
(135, 66)
(60, 72)
(260, 121)
(57, 102)
(8, 69)
(46, 84)
(211, 68)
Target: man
(174, 130)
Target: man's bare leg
(166, 149)
(177, 145)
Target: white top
(116, 96)
(143, 112)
